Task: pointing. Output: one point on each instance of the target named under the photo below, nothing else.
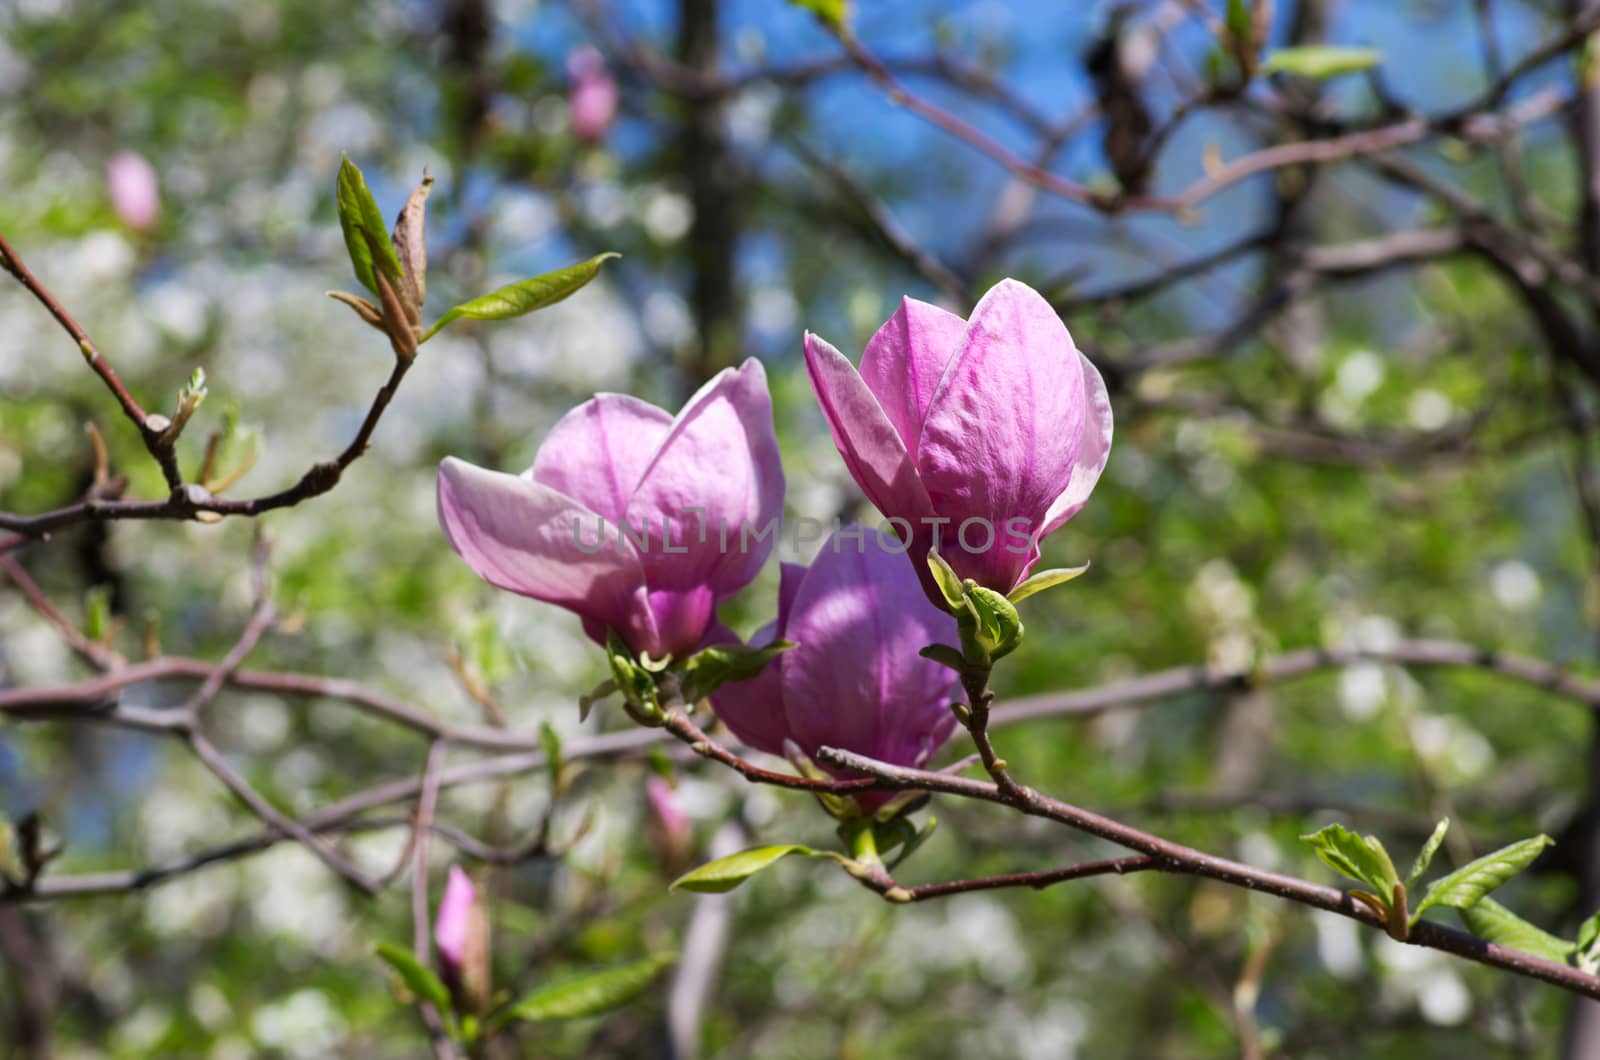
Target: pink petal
(905, 360)
(596, 454)
(1002, 434)
(450, 925)
(667, 807)
(872, 448)
(134, 189)
(519, 535)
(790, 575)
(753, 710)
(1093, 452)
(855, 680)
(716, 472)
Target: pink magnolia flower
(635, 520)
(667, 808)
(978, 437)
(135, 192)
(593, 101)
(854, 680)
(452, 925)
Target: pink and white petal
(905, 360)
(716, 472)
(597, 453)
(527, 538)
(873, 450)
(1002, 434)
(1093, 452)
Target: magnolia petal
(753, 709)
(452, 922)
(854, 679)
(1093, 452)
(790, 575)
(597, 453)
(523, 536)
(681, 617)
(905, 360)
(1002, 434)
(717, 471)
(871, 446)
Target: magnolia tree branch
(151, 428)
(1177, 859)
(160, 435)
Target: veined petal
(717, 471)
(523, 536)
(597, 453)
(854, 679)
(1093, 451)
(871, 446)
(682, 617)
(905, 360)
(753, 709)
(1002, 435)
(790, 575)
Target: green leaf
(1353, 856)
(1386, 864)
(945, 655)
(1321, 61)
(918, 837)
(1425, 855)
(366, 236)
(527, 296)
(550, 741)
(949, 583)
(1589, 944)
(97, 612)
(591, 993)
(635, 682)
(1589, 933)
(724, 874)
(1238, 20)
(1490, 920)
(1468, 884)
(1045, 579)
(418, 977)
(835, 14)
(587, 701)
(999, 625)
(710, 669)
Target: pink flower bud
(854, 680)
(667, 808)
(452, 924)
(633, 519)
(135, 193)
(980, 436)
(593, 101)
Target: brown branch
(193, 499)
(1177, 859)
(97, 655)
(1037, 881)
(88, 701)
(235, 782)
